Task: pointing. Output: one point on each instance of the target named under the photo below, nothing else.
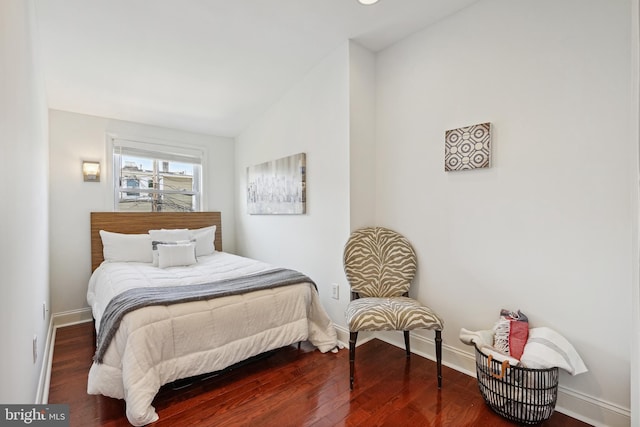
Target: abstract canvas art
(278, 186)
(467, 147)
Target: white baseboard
(57, 320)
(588, 409)
(42, 393)
(343, 336)
(594, 411)
(72, 317)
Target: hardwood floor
(290, 387)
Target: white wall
(76, 137)
(311, 118)
(24, 255)
(548, 228)
(635, 295)
(362, 143)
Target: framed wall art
(278, 187)
(467, 148)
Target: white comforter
(159, 344)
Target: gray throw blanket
(136, 298)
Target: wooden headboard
(141, 222)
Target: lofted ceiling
(206, 66)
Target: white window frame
(162, 149)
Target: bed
(227, 308)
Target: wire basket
(523, 395)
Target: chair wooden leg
(407, 345)
(353, 337)
(439, 357)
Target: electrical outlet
(335, 291)
(35, 348)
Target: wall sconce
(91, 171)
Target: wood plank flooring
(290, 387)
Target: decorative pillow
(204, 238)
(126, 247)
(546, 348)
(511, 333)
(174, 235)
(176, 254)
(167, 236)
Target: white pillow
(546, 348)
(174, 235)
(167, 236)
(204, 238)
(126, 247)
(176, 254)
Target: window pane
(160, 203)
(171, 185)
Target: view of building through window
(155, 185)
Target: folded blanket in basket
(479, 338)
(545, 349)
(511, 332)
(484, 341)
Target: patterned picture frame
(467, 148)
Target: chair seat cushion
(390, 314)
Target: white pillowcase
(546, 348)
(126, 247)
(204, 238)
(174, 235)
(176, 254)
(180, 235)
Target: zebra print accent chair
(380, 265)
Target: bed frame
(142, 222)
(231, 351)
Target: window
(156, 178)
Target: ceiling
(206, 66)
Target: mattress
(159, 344)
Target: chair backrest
(379, 262)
